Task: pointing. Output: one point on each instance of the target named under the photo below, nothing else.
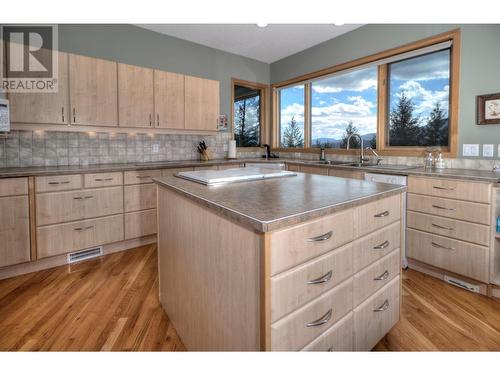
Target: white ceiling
(267, 44)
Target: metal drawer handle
(104, 179)
(323, 320)
(382, 307)
(323, 237)
(443, 208)
(441, 227)
(321, 280)
(441, 246)
(443, 188)
(383, 245)
(85, 197)
(58, 182)
(142, 176)
(382, 214)
(330, 349)
(382, 277)
(86, 228)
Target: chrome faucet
(361, 152)
(379, 159)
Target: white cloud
(358, 80)
(424, 99)
(423, 68)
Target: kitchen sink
(382, 166)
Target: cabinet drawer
(94, 180)
(14, 230)
(314, 170)
(64, 238)
(140, 197)
(295, 287)
(297, 244)
(13, 186)
(346, 173)
(60, 207)
(336, 339)
(376, 245)
(469, 211)
(378, 214)
(453, 255)
(141, 177)
(374, 277)
(172, 171)
(58, 183)
(460, 230)
(376, 316)
(305, 324)
(139, 224)
(455, 189)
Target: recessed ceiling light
(261, 24)
(338, 24)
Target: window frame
(382, 99)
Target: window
(292, 116)
(246, 116)
(344, 104)
(419, 100)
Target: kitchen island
(306, 262)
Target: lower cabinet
(139, 224)
(14, 230)
(338, 338)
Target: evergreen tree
(292, 136)
(246, 123)
(436, 130)
(350, 129)
(373, 142)
(404, 129)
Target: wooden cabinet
(201, 103)
(313, 170)
(94, 180)
(336, 339)
(140, 223)
(141, 177)
(337, 172)
(93, 91)
(14, 230)
(140, 197)
(168, 100)
(44, 108)
(135, 96)
(58, 183)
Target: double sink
(364, 165)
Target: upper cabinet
(93, 91)
(135, 96)
(169, 100)
(49, 108)
(201, 109)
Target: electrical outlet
(488, 150)
(156, 148)
(470, 149)
(225, 147)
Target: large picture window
(292, 101)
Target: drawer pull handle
(321, 280)
(443, 188)
(85, 197)
(383, 245)
(323, 320)
(58, 182)
(330, 349)
(86, 228)
(142, 176)
(382, 277)
(382, 307)
(441, 246)
(323, 237)
(443, 208)
(441, 227)
(382, 214)
(104, 179)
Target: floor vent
(462, 284)
(84, 254)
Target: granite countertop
(268, 205)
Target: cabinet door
(135, 96)
(14, 230)
(93, 91)
(201, 103)
(49, 108)
(169, 100)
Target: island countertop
(268, 205)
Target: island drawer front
(314, 170)
(140, 197)
(454, 189)
(453, 255)
(468, 211)
(139, 224)
(339, 338)
(58, 183)
(65, 238)
(460, 230)
(378, 214)
(95, 180)
(173, 171)
(13, 186)
(374, 277)
(376, 316)
(292, 332)
(295, 287)
(376, 245)
(298, 244)
(60, 207)
(141, 177)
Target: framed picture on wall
(488, 109)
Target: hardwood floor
(112, 304)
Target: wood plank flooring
(112, 304)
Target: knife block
(206, 155)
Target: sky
(352, 96)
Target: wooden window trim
(451, 152)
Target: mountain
(335, 143)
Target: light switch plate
(156, 148)
(488, 150)
(470, 149)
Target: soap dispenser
(440, 162)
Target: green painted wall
(479, 64)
